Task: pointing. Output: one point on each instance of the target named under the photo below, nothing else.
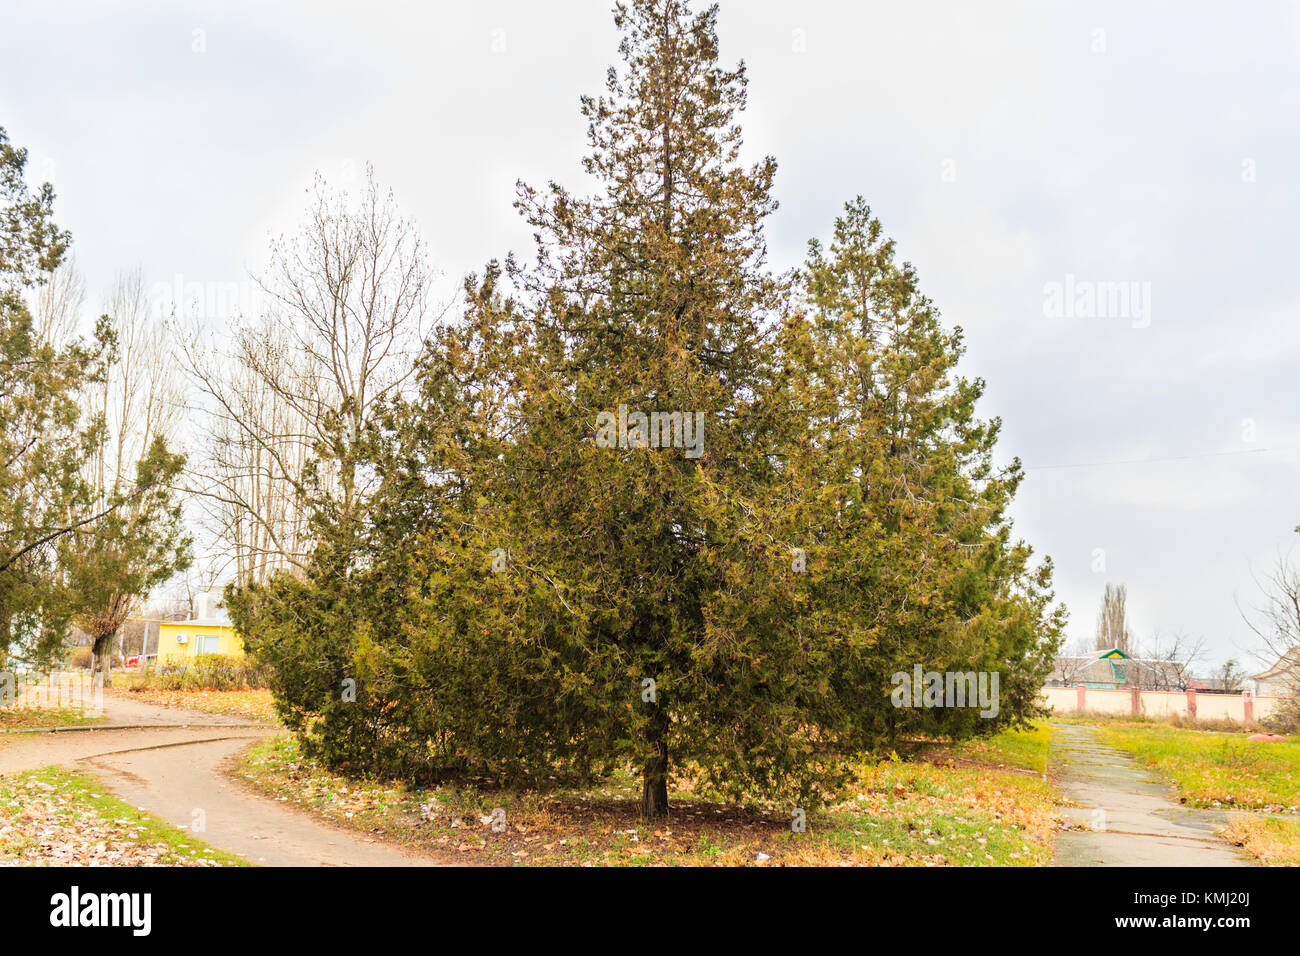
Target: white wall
(1156, 703)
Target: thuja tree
(44, 437)
(897, 500)
(633, 436)
(564, 585)
(72, 548)
(43, 498)
(649, 506)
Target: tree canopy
(653, 503)
(64, 537)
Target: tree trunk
(654, 789)
(102, 658)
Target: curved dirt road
(178, 774)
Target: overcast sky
(1018, 153)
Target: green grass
(1271, 840)
(1026, 749)
(39, 718)
(1222, 725)
(983, 803)
(1214, 769)
(60, 817)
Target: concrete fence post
(1191, 703)
(1135, 695)
(1081, 698)
(1247, 706)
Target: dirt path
(179, 774)
(1126, 809)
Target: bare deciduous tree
(1276, 620)
(59, 303)
(138, 403)
(249, 479)
(288, 397)
(1167, 664)
(141, 399)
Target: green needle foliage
(43, 443)
(43, 438)
(69, 550)
(531, 595)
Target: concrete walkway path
(181, 774)
(1130, 819)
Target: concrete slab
(1129, 815)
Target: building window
(208, 644)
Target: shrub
(307, 641)
(205, 672)
(1286, 719)
(81, 657)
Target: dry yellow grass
(1274, 841)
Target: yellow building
(178, 640)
